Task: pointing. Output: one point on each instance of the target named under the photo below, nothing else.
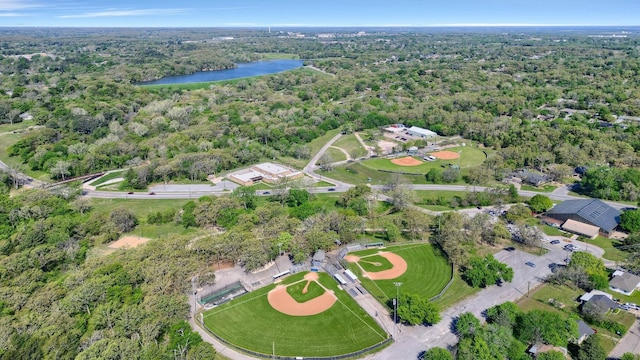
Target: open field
(428, 271)
(544, 189)
(15, 126)
(248, 322)
(336, 154)
(351, 145)
(142, 208)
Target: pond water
(241, 71)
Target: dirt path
(365, 146)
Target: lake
(241, 71)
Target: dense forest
(548, 101)
(544, 100)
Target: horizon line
(316, 26)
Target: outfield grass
(457, 292)
(336, 155)
(251, 323)
(351, 145)
(427, 273)
(469, 157)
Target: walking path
(365, 146)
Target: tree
(517, 212)
(630, 221)
(123, 219)
(246, 196)
(592, 266)
(551, 355)
(540, 203)
(591, 349)
(629, 356)
(297, 197)
(61, 169)
(437, 353)
(434, 176)
(450, 175)
(482, 272)
(467, 325)
(414, 309)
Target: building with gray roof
(600, 304)
(589, 211)
(625, 283)
(584, 331)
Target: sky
(305, 13)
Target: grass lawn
(251, 323)
(551, 231)
(564, 303)
(109, 176)
(322, 184)
(609, 247)
(546, 188)
(16, 126)
(358, 173)
(336, 154)
(439, 200)
(315, 145)
(427, 274)
(142, 208)
(458, 291)
(351, 145)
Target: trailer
(339, 279)
(350, 275)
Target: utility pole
(395, 303)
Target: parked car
(130, 192)
(510, 248)
(266, 193)
(555, 242)
(529, 263)
(152, 193)
(624, 307)
(332, 189)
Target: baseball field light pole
(395, 303)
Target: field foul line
(234, 305)
(361, 319)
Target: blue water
(241, 71)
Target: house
(600, 304)
(624, 282)
(584, 331)
(531, 178)
(587, 296)
(538, 348)
(593, 212)
(421, 133)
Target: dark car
(555, 242)
(130, 192)
(510, 248)
(332, 189)
(152, 193)
(266, 193)
(529, 263)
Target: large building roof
(422, 132)
(592, 211)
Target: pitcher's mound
(407, 161)
(128, 242)
(446, 155)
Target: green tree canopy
(482, 272)
(540, 203)
(437, 353)
(630, 221)
(414, 310)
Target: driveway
(629, 343)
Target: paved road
(629, 343)
(412, 340)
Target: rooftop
(593, 211)
(627, 282)
(421, 131)
(581, 228)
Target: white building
(421, 133)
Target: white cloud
(119, 13)
(10, 5)
(10, 14)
